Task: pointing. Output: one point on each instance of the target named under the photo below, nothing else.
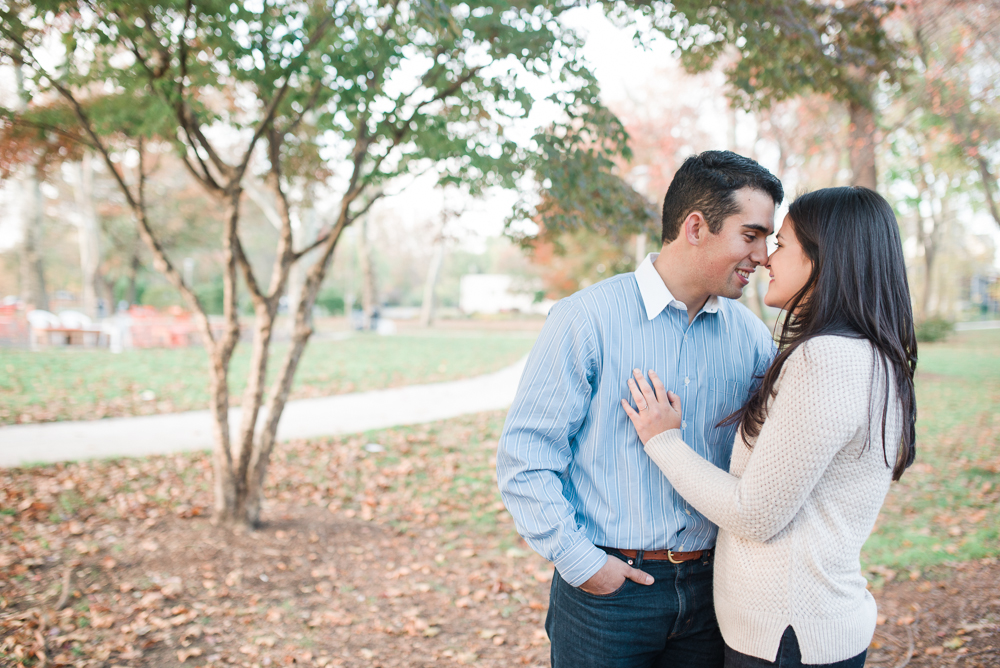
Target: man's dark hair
(706, 183)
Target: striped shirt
(570, 466)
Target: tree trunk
(304, 230)
(32, 275)
(930, 253)
(226, 509)
(303, 234)
(433, 271)
(277, 395)
(369, 288)
(861, 144)
(133, 278)
(989, 182)
(929, 238)
(640, 248)
(32, 270)
(87, 233)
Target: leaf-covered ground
(61, 384)
(401, 558)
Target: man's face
(727, 259)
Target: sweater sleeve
(819, 408)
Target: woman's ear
(694, 228)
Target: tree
(954, 92)
(942, 130)
(439, 234)
(28, 153)
(785, 48)
(381, 88)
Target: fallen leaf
(185, 654)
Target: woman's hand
(659, 410)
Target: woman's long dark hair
(857, 288)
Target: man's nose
(759, 254)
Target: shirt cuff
(579, 563)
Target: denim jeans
(669, 623)
(789, 656)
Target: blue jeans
(669, 623)
(789, 656)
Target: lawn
(945, 507)
(87, 384)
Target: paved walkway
(304, 418)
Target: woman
(831, 424)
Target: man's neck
(680, 276)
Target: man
(633, 561)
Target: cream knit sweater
(794, 512)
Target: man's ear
(694, 228)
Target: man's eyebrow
(757, 227)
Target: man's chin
(732, 292)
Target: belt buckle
(670, 557)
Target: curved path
(303, 418)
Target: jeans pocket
(605, 596)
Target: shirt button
(688, 511)
(686, 380)
(685, 337)
(684, 424)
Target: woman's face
(789, 267)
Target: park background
(516, 186)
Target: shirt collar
(655, 294)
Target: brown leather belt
(667, 555)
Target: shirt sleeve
(534, 453)
(817, 411)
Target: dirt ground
(394, 557)
(949, 617)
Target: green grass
(945, 507)
(88, 384)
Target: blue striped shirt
(570, 466)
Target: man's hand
(612, 575)
(659, 410)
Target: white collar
(655, 294)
